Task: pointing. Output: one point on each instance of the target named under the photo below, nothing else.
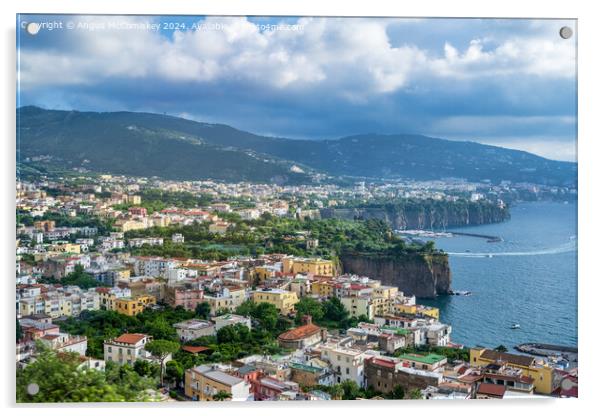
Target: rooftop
(425, 359)
(516, 359)
(491, 389)
(130, 338)
(300, 332)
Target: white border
(589, 27)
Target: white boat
(515, 326)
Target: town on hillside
(138, 289)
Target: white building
(230, 319)
(127, 348)
(193, 329)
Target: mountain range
(146, 144)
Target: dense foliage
(270, 234)
(60, 378)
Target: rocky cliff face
(422, 275)
(413, 217)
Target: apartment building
(127, 348)
(283, 300)
(193, 329)
(204, 382)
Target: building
(302, 336)
(359, 306)
(384, 373)
(347, 363)
(108, 296)
(186, 296)
(63, 342)
(231, 319)
(428, 362)
(283, 300)
(127, 348)
(541, 373)
(133, 306)
(438, 335)
(193, 329)
(315, 266)
(202, 383)
(490, 391)
(513, 382)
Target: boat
(515, 326)
(490, 255)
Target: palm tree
(221, 396)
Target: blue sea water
(530, 279)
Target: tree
(174, 372)
(267, 315)
(159, 328)
(19, 331)
(415, 394)
(501, 348)
(337, 392)
(161, 349)
(335, 311)
(397, 393)
(221, 396)
(351, 390)
(202, 310)
(146, 368)
(234, 334)
(309, 306)
(60, 379)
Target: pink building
(188, 298)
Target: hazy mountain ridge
(152, 144)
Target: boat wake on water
(564, 248)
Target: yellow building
(322, 288)
(262, 273)
(132, 199)
(283, 300)
(407, 309)
(129, 225)
(403, 308)
(133, 306)
(358, 306)
(204, 382)
(543, 375)
(428, 311)
(315, 266)
(66, 248)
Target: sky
(505, 82)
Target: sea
(529, 279)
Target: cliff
(422, 275)
(427, 216)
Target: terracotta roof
(521, 378)
(194, 350)
(130, 338)
(522, 360)
(491, 389)
(300, 332)
(383, 363)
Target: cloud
(314, 77)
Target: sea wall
(422, 275)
